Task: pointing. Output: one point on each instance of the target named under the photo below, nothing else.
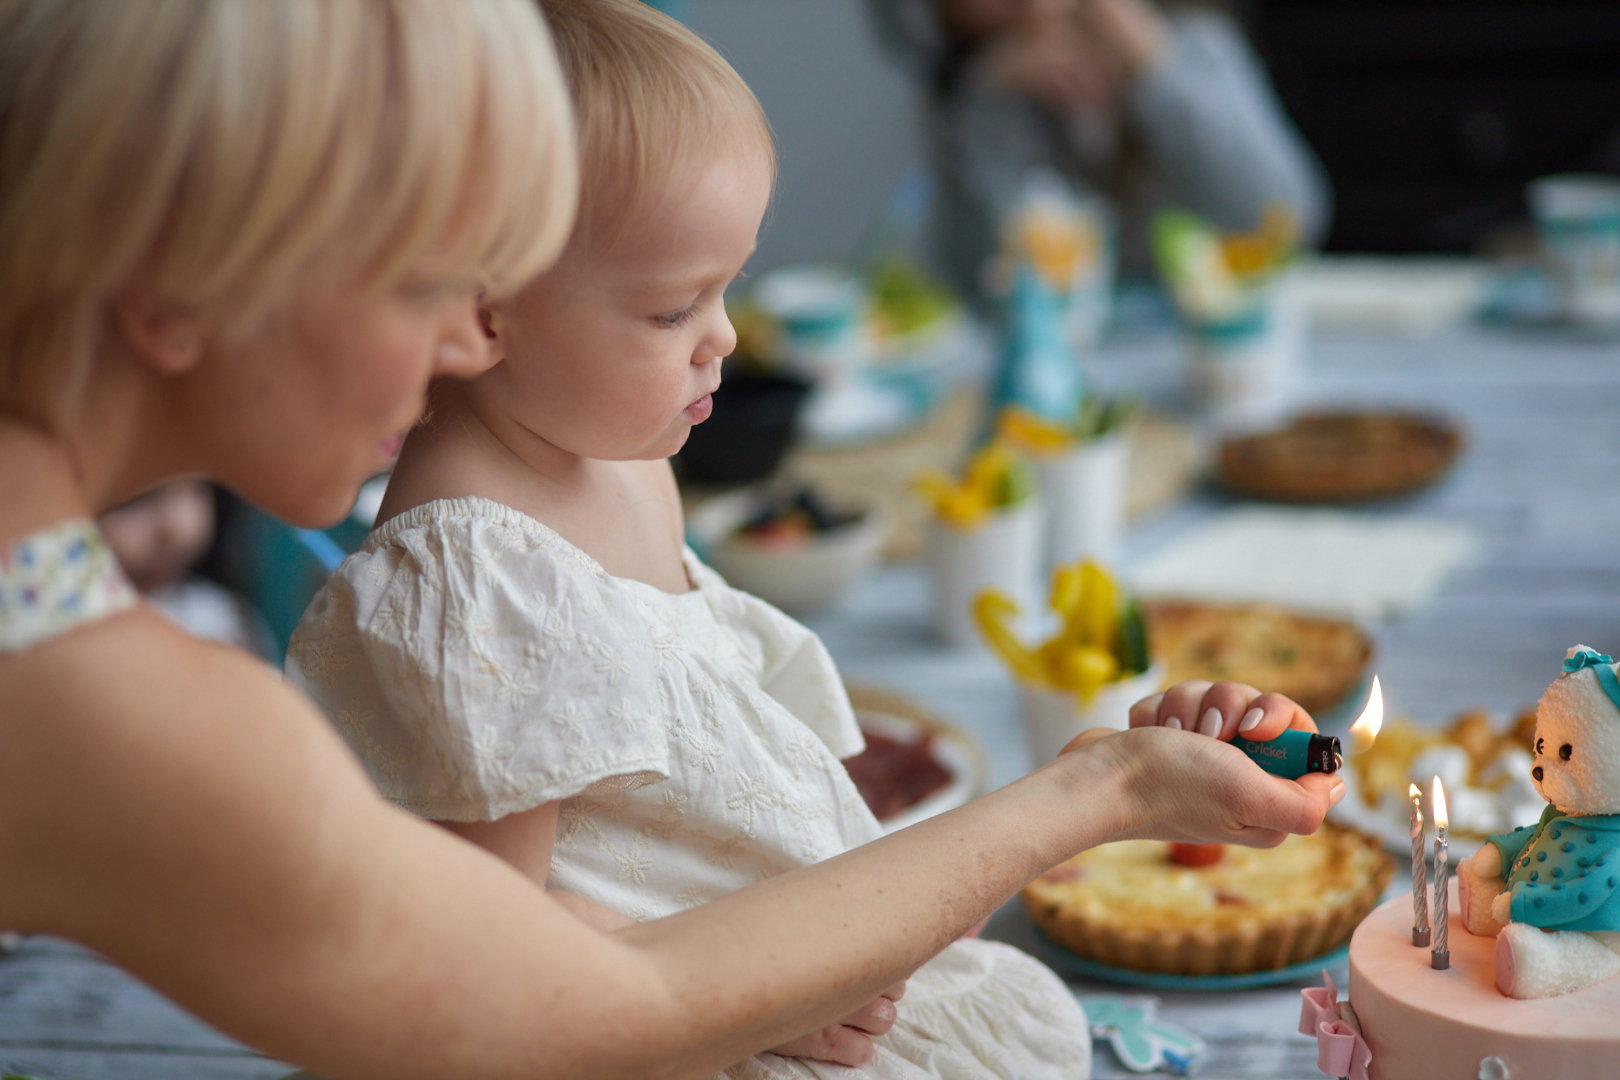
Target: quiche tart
(1339, 457)
(1316, 661)
(1129, 905)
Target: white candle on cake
(1420, 895)
(1440, 958)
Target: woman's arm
(172, 805)
(524, 842)
(1216, 133)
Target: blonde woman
(237, 240)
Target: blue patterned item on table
(1140, 1041)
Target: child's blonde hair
(649, 95)
(224, 152)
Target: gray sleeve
(985, 142)
(1219, 140)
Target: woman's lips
(699, 410)
(389, 448)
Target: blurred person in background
(1146, 108)
(158, 538)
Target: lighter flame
(1439, 804)
(1365, 729)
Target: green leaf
(1133, 642)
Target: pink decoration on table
(1340, 1049)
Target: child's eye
(676, 318)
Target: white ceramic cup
(1242, 372)
(1578, 216)
(817, 311)
(1084, 492)
(1053, 717)
(1003, 553)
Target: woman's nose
(462, 348)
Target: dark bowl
(751, 427)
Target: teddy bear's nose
(1536, 772)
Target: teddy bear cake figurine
(1548, 892)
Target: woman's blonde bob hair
(224, 153)
(650, 96)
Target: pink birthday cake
(1406, 1021)
(1532, 927)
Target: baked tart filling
(1132, 905)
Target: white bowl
(954, 751)
(797, 577)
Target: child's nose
(462, 349)
(721, 343)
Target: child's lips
(699, 410)
(390, 447)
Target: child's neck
(624, 514)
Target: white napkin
(1404, 296)
(1329, 561)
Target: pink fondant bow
(1340, 1049)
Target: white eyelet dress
(481, 665)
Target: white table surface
(1539, 483)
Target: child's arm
(174, 806)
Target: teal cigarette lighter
(1293, 753)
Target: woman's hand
(1054, 65)
(849, 1042)
(1221, 711)
(1184, 783)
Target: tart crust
(1340, 457)
(1126, 905)
(1316, 661)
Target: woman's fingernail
(1336, 794)
(1211, 723)
(1173, 722)
(1251, 719)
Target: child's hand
(849, 1042)
(1192, 788)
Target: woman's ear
(166, 336)
(490, 321)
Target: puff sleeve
(791, 663)
(469, 659)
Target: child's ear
(489, 320)
(166, 336)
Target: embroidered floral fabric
(56, 580)
(481, 665)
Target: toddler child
(525, 651)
